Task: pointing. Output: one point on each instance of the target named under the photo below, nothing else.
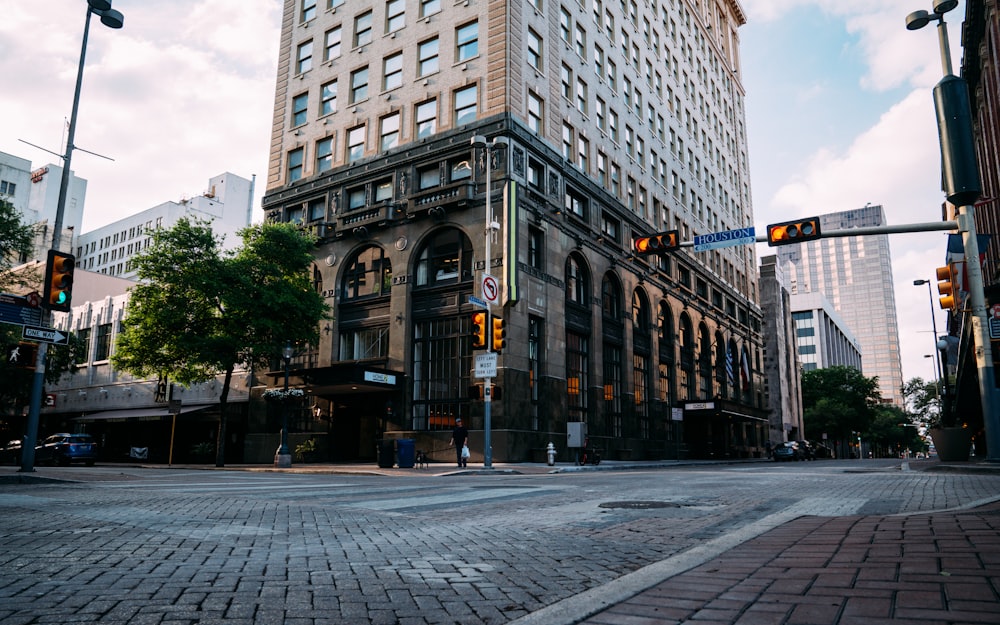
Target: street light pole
(499, 143)
(930, 297)
(112, 19)
(962, 186)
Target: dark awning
(137, 414)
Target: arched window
(445, 259)
(577, 288)
(640, 313)
(705, 361)
(612, 303)
(369, 274)
(687, 378)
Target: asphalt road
(140, 546)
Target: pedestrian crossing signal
(793, 231)
(657, 243)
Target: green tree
(923, 401)
(16, 245)
(200, 311)
(892, 431)
(838, 400)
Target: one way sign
(47, 335)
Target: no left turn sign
(491, 289)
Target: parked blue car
(65, 449)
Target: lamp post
(112, 19)
(930, 296)
(499, 143)
(962, 187)
(282, 458)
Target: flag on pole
(745, 370)
(729, 366)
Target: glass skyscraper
(855, 275)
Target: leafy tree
(200, 311)
(16, 244)
(923, 401)
(892, 430)
(838, 400)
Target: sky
(838, 92)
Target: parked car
(806, 450)
(822, 451)
(64, 449)
(11, 453)
(786, 451)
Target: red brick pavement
(924, 569)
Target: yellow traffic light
(59, 281)
(657, 243)
(479, 330)
(948, 287)
(499, 333)
(793, 231)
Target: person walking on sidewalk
(460, 440)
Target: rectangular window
(465, 105)
(581, 96)
(324, 154)
(308, 10)
(426, 119)
(566, 76)
(582, 153)
(581, 41)
(534, 50)
(428, 177)
(295, 160)
(392, 71)
(304, 57)
(363, 29)
(331, 44)
(565, 24)
(577, 376)
(536, 247)
(328, 98)
(536, 175)
(300, 105)
(355, 143)
(567, 142)
(395, 15)
(599, 61)
(427, 57)
(576, 203)
(102, 342)
(429, 7)
(535, 112)
(466, 41)
(389, 131)
(359, 84)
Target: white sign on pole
(490, 289)
(486, 365)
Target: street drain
(639, 505)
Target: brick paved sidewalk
(924, 569)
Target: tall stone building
(597, 123)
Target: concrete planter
(952, 444)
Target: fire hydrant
(551, 453)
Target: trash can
(386, 453)
(406, 448)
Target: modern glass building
(855, 274)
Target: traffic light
(59, 281)
(657, 243)
(948, 287)
(479, 330)
(793, 231)
(499, 332)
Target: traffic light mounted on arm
(948, 287)
(478, 330)
(796, 231)
(657, 243)
(59, 281)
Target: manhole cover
(638, 505)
